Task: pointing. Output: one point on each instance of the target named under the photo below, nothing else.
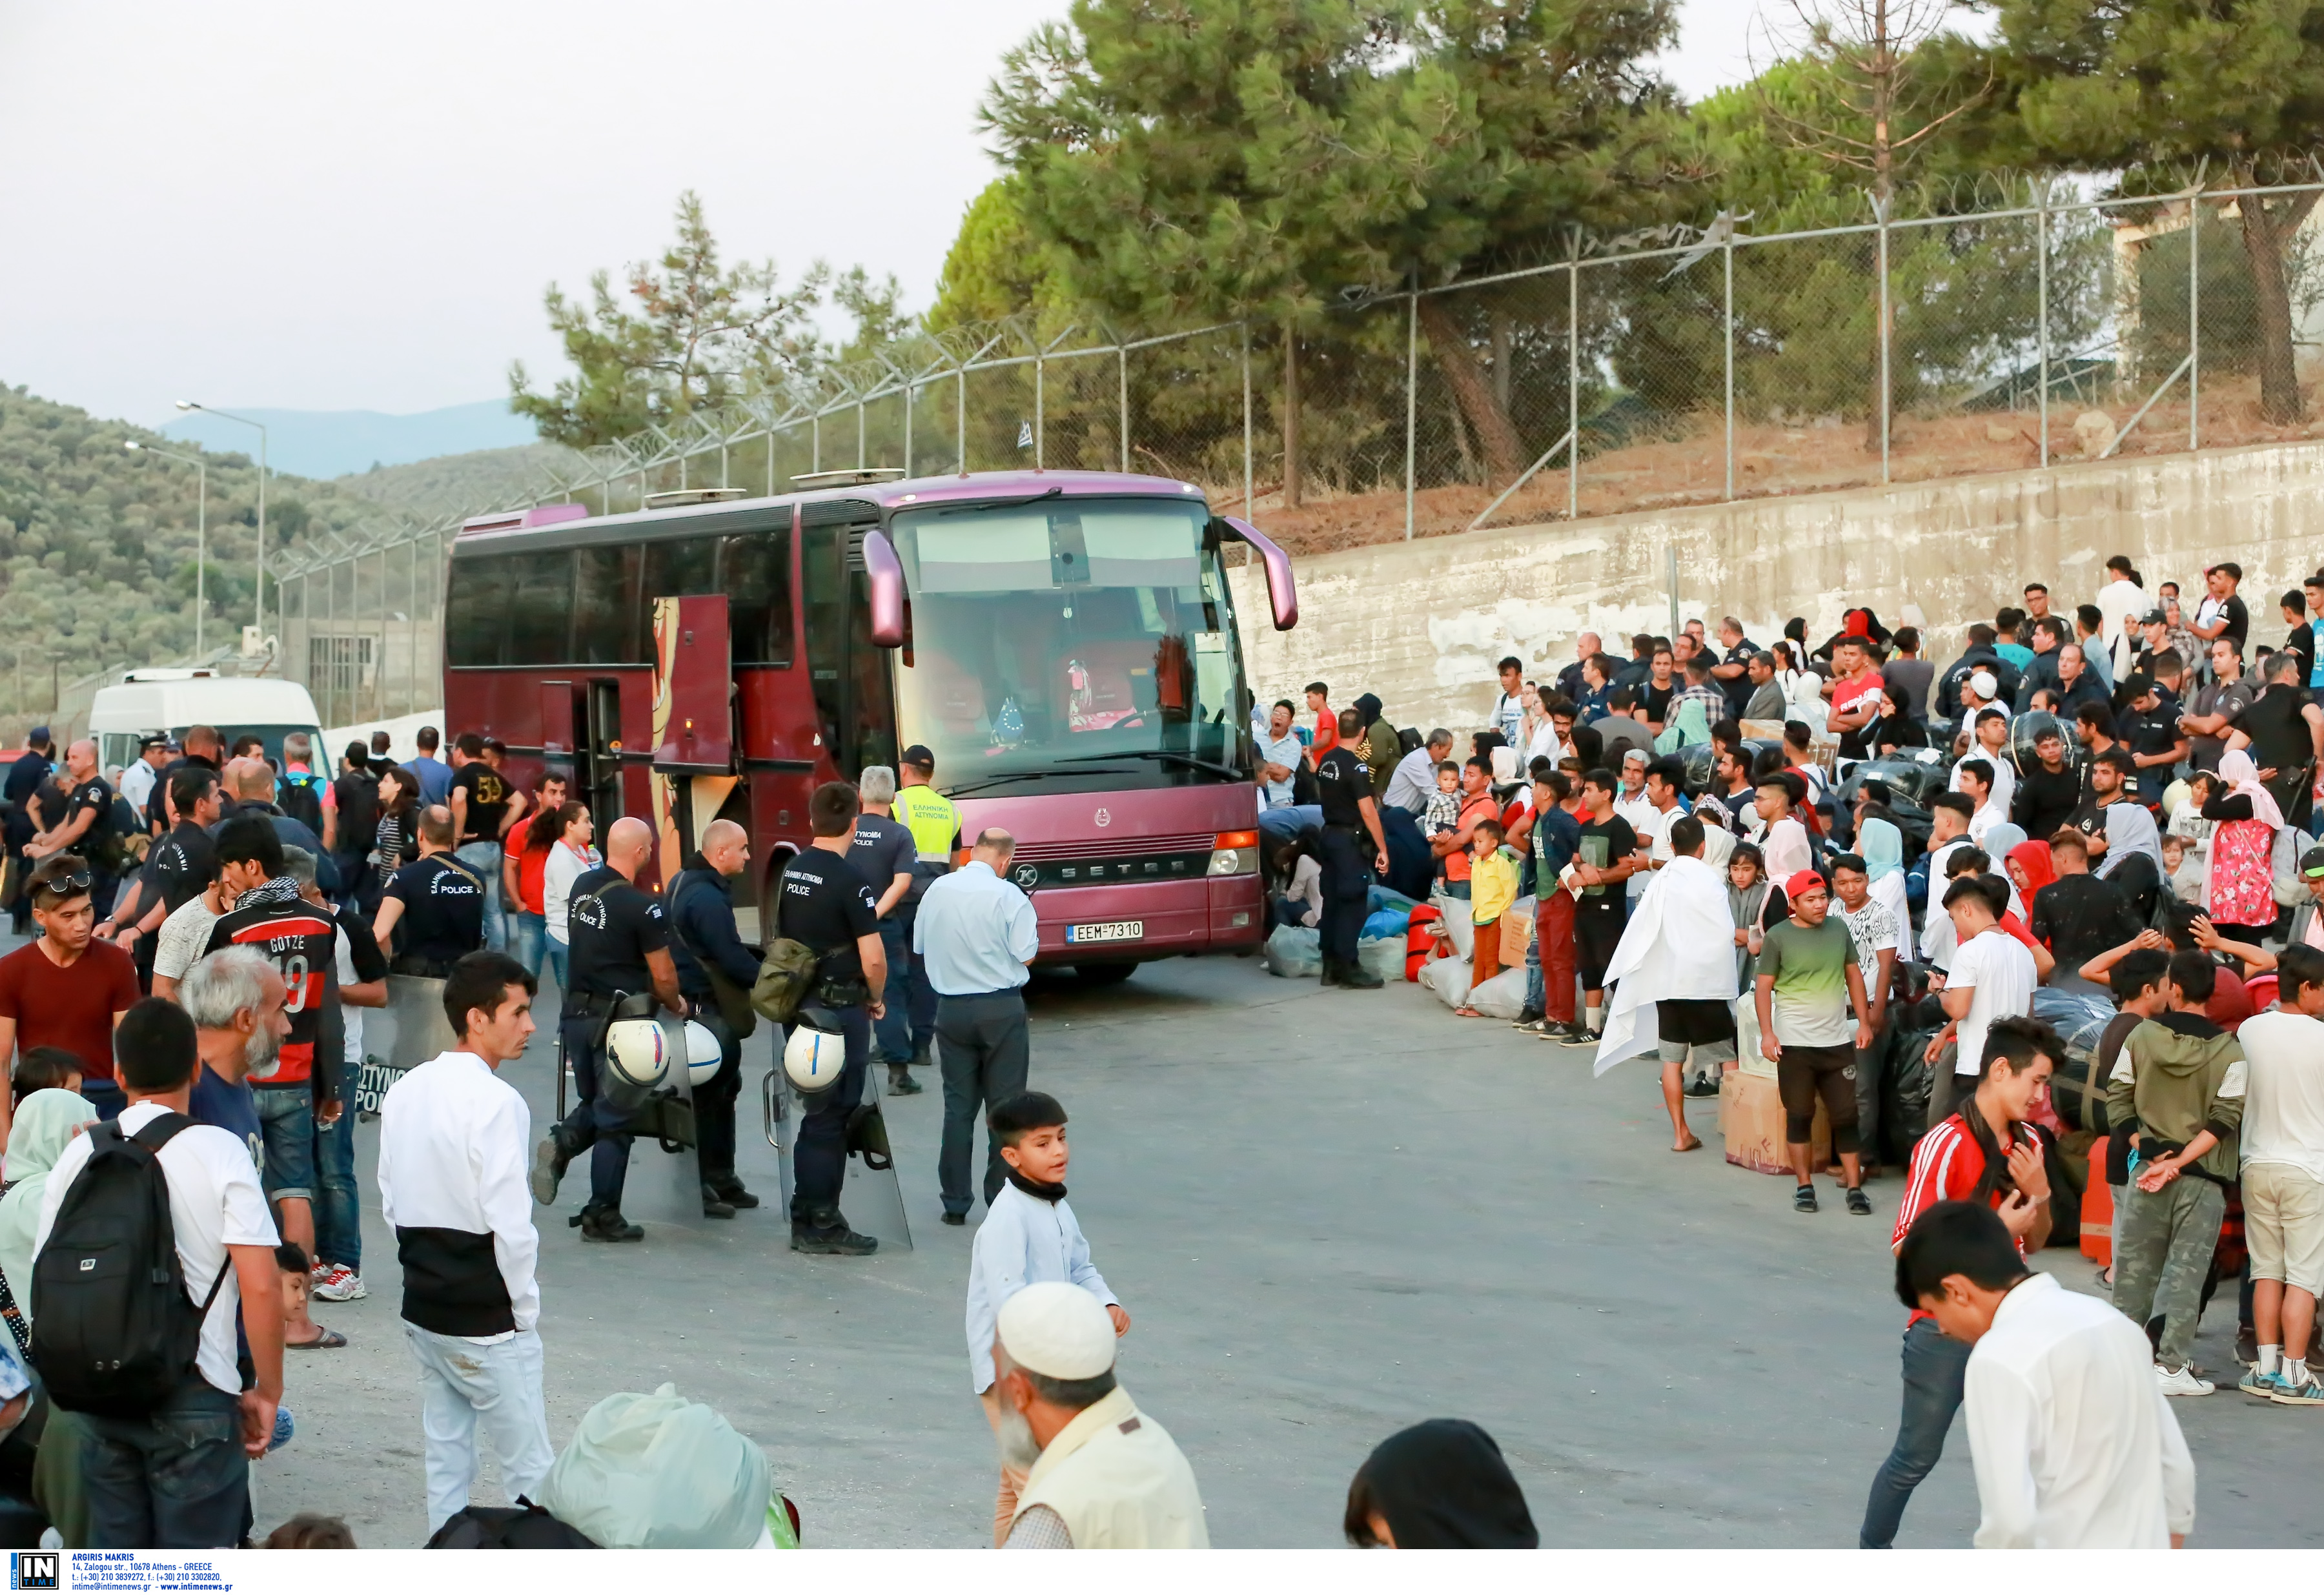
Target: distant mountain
(324, 443)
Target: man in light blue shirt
(435, 775)
(1279, 752)
(975, 935)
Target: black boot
(550, 1161)
(922, 1059)
(823, 1232)
(1331, 975)
(713, 1205)
(606, 1223)
(730, 1190)
(901, 1081)
(1355, 977)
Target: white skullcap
(1983, 684)
(1058, 1329)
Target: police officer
(1345, 782)
(25, 778)
(622, 968)
(935, 825)
(438, 902)
(708, 950)
(824, 902)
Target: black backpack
(358, 800)
(114, 1333)
(300, 795)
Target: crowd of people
(187, 1029)
(2083, 851)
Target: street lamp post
(201, 528)
(259, 599)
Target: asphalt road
(1331, 1214)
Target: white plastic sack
(1382, 956)
(1456, 920)
(1449, 979)
(658, 1472)
(1294, 951)
(1502, 996)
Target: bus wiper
(1022, 775)
(1166, 755)
(1015, 503)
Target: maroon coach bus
(1065, 642)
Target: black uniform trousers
(1346, 887)
(595, 1125)
(714, 1100)
(819, 1155)
(984, 1051)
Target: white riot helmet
(703, 1055)
(635, 1050)
(814, 1056)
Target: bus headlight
(1235, 853)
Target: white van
(150, 702)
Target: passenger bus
(1063, 642)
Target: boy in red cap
(1810, 988)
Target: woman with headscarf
(1438, 1486)
(1378, 746)
(1881, 844)
(1894, 727)
(1689, 728)
(2238, 891)
(45, 1124)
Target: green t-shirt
(1810, 1000)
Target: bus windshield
(1095, 629)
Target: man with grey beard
(1100, 1475)
(237, 1001)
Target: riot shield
(872, 1199)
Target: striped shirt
(1945, 1167)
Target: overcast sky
(328, 206)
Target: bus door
(595, 709)
(854, 699)
(694, 754)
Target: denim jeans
(528, 937)
(177, 1480)
(484, 859)
(892, 1031)
(1934, 1369)
(286, 1117)
(338, 1202)
(461, 1382)
(558, 953)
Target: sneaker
(1860, 1203)
(2307, 1393)
(2182, 1382)
(339, 1282)
(2260, 1386)
(1582, 1034)
(1537, 1028)
(1527, 1019)
(1803, 1200)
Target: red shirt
(1845, 693)
(532, 879)
(72, 1007)
(1327, 732)
(1947, 1164)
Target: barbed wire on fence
(1966, 326)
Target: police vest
(932, 820)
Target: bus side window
(683, 567)
(541, 607)
(477, 606)
(756, 576)
(606, 625)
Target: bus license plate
(1120, 930)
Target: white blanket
(1679, 944)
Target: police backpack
(115, 1333)
(300, 795)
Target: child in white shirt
(1029, 1236)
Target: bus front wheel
(1104, 975)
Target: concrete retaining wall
(1421, 623)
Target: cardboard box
(1751, 1122)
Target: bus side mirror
(886, 574)
(1280, 592)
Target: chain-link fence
(1929, 339)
